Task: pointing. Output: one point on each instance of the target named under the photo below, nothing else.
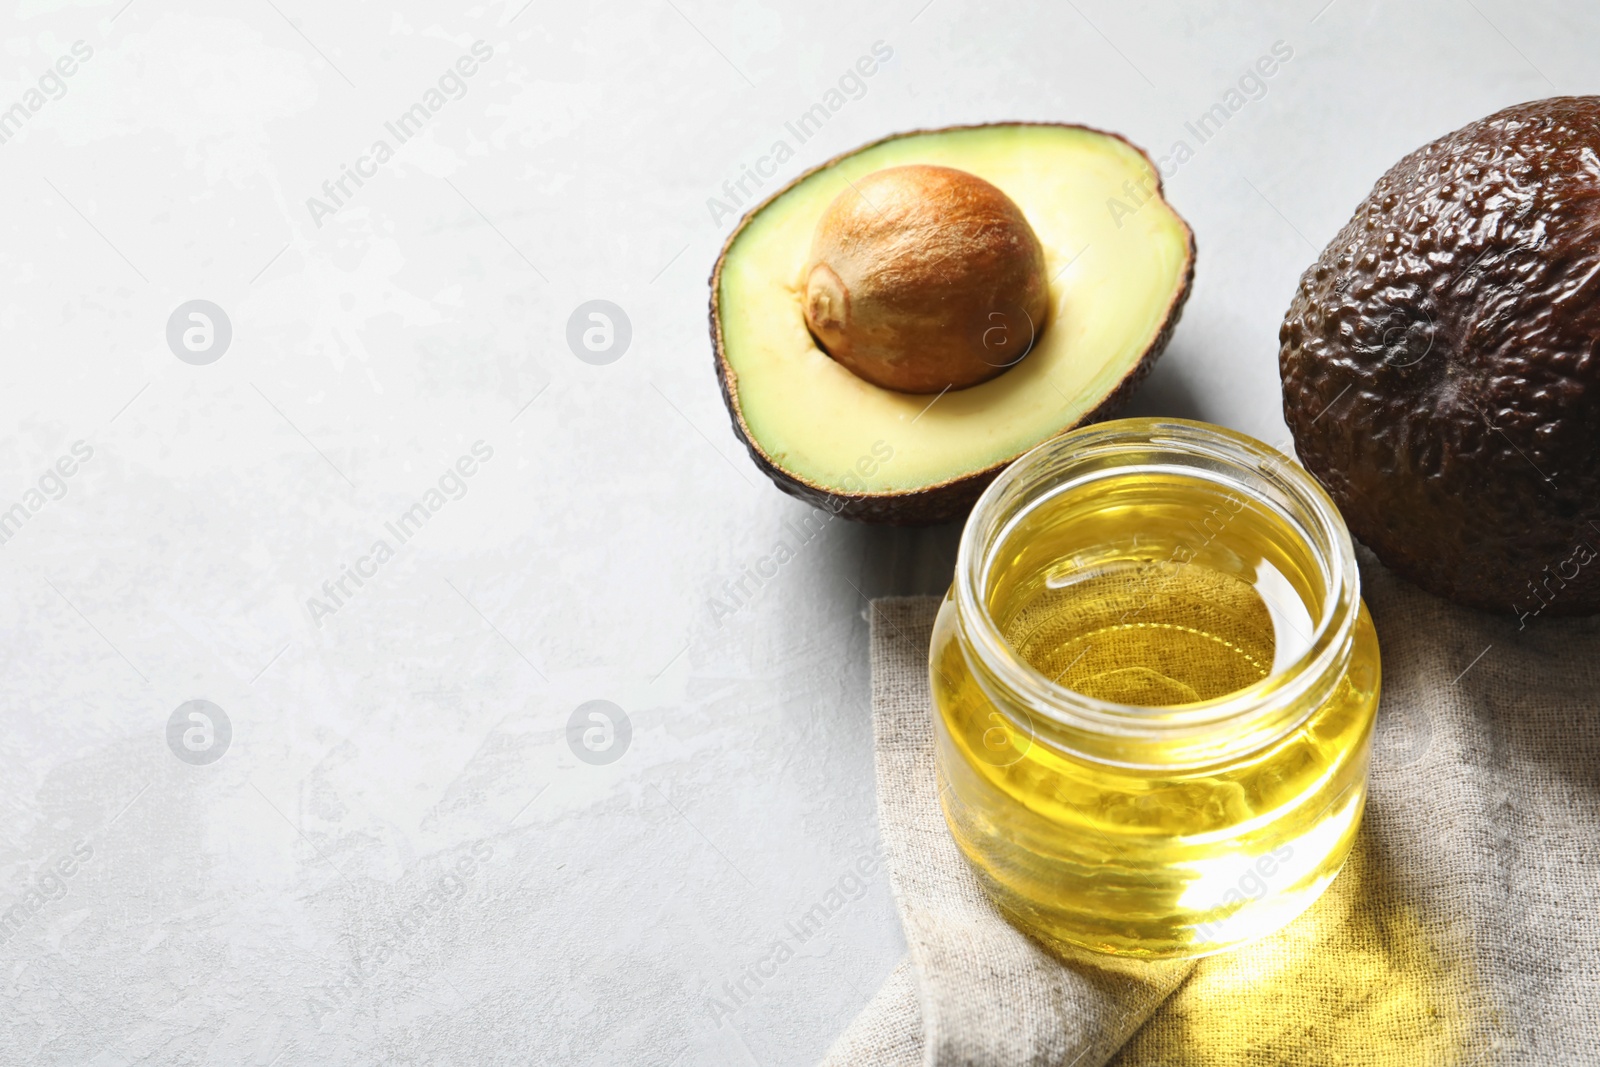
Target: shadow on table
(908, 560)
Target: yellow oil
(1160, 589)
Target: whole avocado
(1441, 363)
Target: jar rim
(1234, 455)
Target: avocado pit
(924, 278)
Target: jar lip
(1330, 639)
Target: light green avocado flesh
(1117, 256)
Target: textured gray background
(288, 903)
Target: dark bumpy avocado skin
(1441, 363)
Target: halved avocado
(1119, 263)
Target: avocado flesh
(1441, 363)
(1118, 278)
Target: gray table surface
(399, 857)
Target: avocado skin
(1441, 363)
(948, 501)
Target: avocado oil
(1154, 708)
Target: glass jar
(1154, 684)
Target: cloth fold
(1464, 930)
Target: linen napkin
(1464, 929)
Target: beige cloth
(1464, 930)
